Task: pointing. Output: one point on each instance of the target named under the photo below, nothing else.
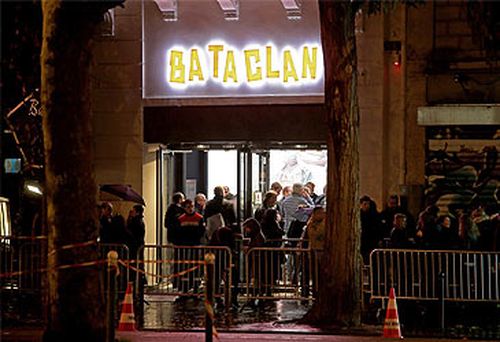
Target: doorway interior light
(168, 9)
(293, 9)
(231, 9)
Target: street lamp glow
(34, 189)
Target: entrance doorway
(248, 171)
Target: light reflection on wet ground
(189, 314)
(164, 313)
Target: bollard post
(209, 295)
(111, 297)
(442, 277)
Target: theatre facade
(192, 94)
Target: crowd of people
(114, 229)
(291, 213)
(473, 228)
(284, 213)
(296, 214)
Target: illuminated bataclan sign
(263, 57)
(253, 65)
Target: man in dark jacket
(219, 205)
(399, 234)
(136, 231)
(387, 215)
(112, 228)
(371, 232)
(174, 210)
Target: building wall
(453, 32)
(259, 124)
(435, 39)
(149, 188)
(117, 100)
(370, 96)
(437, 44)
(393, 106)
(460, 70)
(418, 47)
(383, 150)
(391, 144)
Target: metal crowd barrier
(7, 263)
(22, 285)
(270, 272)
(25, 256)
(178, 270)
(282, 273)
(242, 248)
(432, 274)
(21, 258)
(32, 258)
(23, 264)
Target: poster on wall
(191, 188)
(295, 166)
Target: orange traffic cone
(127, 319)
(391, 324)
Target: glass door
(260, 177)
(166, 185)
(253, 180)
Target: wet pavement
(166, 318)
(282, 317)
(153, 336)
(237, 337)
(167, 313)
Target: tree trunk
(76, 298)
(339, 297)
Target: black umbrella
(123, 191)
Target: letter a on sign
(230, 70)
(194, 66)
(288, 67)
